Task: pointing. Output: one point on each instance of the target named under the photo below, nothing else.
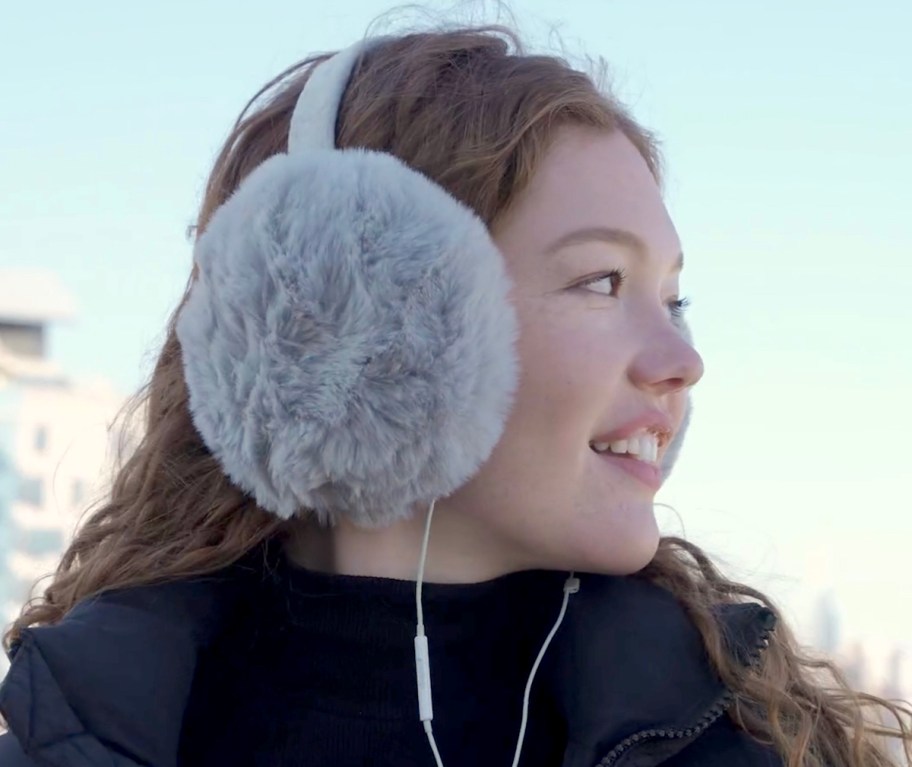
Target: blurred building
(828, 638)
(55, 440)
(877, 668)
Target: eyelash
(678, 306)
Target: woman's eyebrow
(607, 234)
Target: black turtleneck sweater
(321, 673)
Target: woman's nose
(667, 360)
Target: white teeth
(645, 447)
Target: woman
(394, 500)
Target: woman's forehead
(590, 181)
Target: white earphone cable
(422, 656)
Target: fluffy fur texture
(349, 345)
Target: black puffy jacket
(110, 684)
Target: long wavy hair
(472, 110)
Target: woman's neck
(458, 550)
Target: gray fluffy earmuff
(348, 343)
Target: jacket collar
(110, 683)
(630, 662)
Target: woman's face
(596, 353)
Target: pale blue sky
(786, 125)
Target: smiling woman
(433, 333)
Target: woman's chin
(625, 550)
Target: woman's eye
(678, 307)
(608, 282)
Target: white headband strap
(313, 122)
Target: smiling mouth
(643, 448)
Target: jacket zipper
(712, 715)
(708, 719)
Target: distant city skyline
(885, 671)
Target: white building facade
(56, 438)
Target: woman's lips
(647, 473)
